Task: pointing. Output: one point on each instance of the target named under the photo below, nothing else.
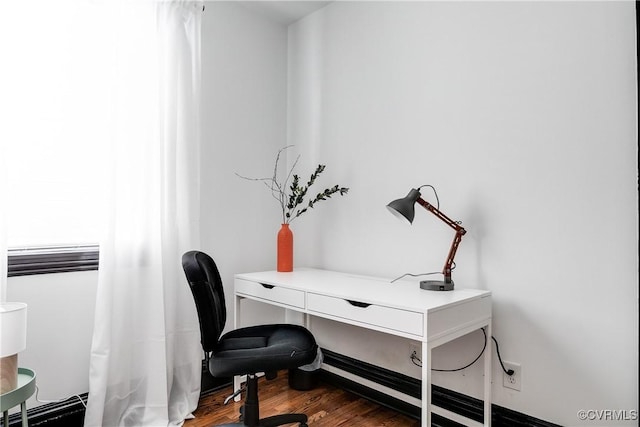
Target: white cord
(415, 275)
(60, 400)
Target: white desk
(400, 308)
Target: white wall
(244, 69)
(523, 116)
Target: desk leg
(487, 378)
(237, 385)
(236, 312)
(426, 385)
(307, 320)
(237, 380)
(6, 418)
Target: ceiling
(285, 12)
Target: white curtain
(4, 141)
(146, 355)
(3, 223)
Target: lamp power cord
(418, 362)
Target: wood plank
(325, 405)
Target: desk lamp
(404, 209)
(13, 339)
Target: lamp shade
(405, 208)
(13, 328)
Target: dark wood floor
(326, 406)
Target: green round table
(18, 396)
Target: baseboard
(447, 399)
(71, 412)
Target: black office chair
(244, 351)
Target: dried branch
(290, 202)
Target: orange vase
(285, 249)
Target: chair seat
(263, 348)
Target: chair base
(275, 421)
(250, 411)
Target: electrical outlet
(512, 381)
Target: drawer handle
(264, 285)
(358, 304)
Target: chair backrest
(208, 293)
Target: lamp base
(436, 285)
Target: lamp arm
(460, 231)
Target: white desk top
(404, 294)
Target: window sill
(52, 259)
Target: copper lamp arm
(460, 231)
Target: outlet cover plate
(512, 381)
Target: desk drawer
(276, 294)
(395, 319)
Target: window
(56, 105)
